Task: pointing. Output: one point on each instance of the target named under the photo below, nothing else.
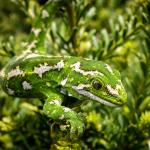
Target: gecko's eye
(96, 84)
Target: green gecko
(51, 78)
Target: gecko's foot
(76, 127)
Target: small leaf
(147, 41)
(121, 20)
(105, 36)
(145, 18)
(110, 44)
(116, 35)
(145, 103)
(124, 33)
(134, 22)
(120, 120)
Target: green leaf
(124, 33)
(105, 36)
(110, 44)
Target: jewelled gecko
(51, 78)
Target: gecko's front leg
(53, 109)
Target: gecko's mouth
(93, 97)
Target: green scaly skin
(51, 78)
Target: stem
(72, 22)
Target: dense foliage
(114, 31)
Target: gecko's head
(103, 85)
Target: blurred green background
(114, 31)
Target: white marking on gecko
(45, 14)
(26, 85)
(10, 91)
(66, 109)
(42, 69)
(92, 96)
(76, 67)
(45, 67)
(112, 91)
(15, 72)
(61, 117)
(36, 31)
(63, 82)
(55, 102)
(59, 65)
(69, 94)
(82, 86)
